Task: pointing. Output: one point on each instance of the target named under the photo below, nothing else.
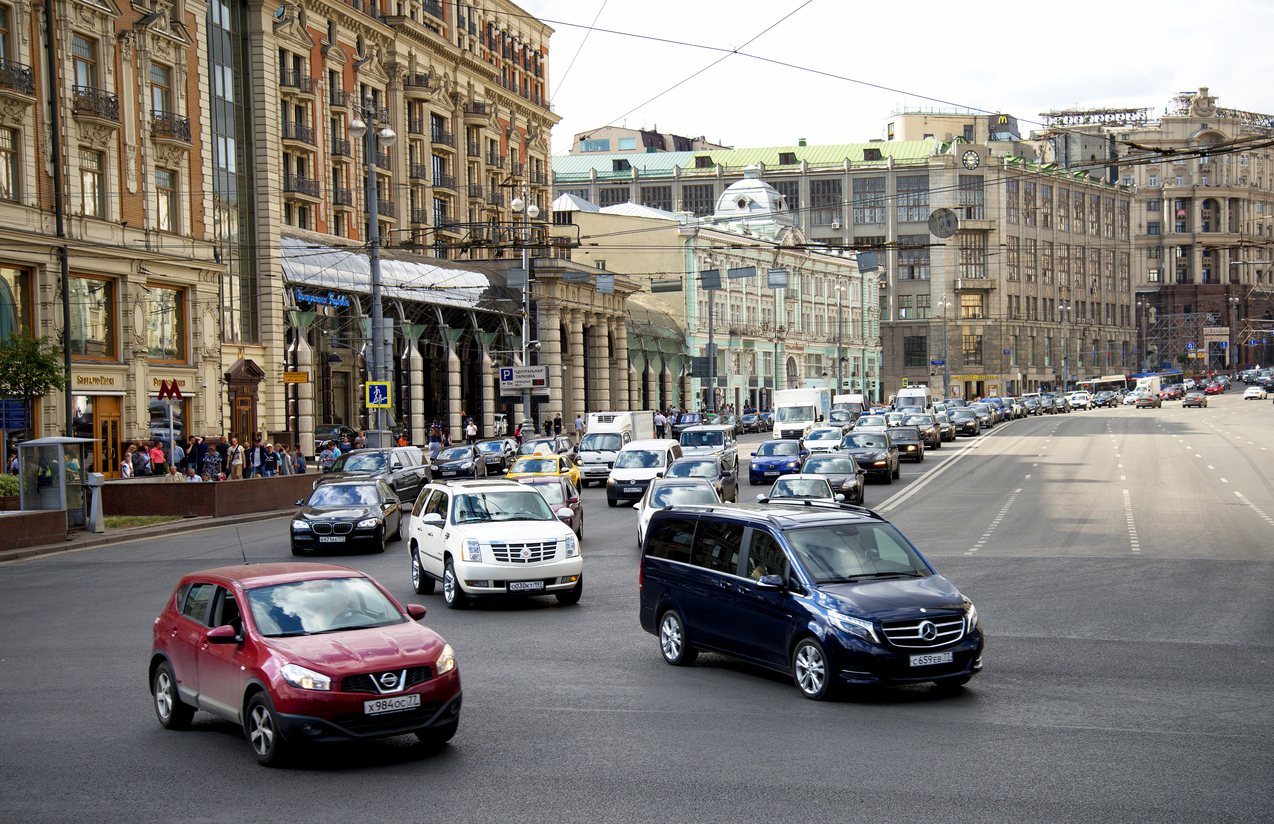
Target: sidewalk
(83, 539)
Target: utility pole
(528, 211)
(946, 360)
(840, 339)
(1065, 308)
(712, 359)
(59, 210)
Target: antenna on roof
(241, 550)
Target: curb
(132, 534)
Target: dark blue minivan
(831, 593)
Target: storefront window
(165, 324)
(92, 332)
(15, 301)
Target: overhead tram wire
(558, 85)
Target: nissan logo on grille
(927, 630)
(389, 680)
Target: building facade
(1032, 288)
(621, 140)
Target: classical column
(515, 343)
(486, 339)
(415, 372)
(452, 338)
(305, 395)
(619, 362)
(599, 352)
(652, 385)
(551, 356)
(577, 361)
(634, 386)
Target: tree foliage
(30, 367)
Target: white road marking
(1132, 524)
(987, 535)
(1210, 466)
(1197, 455)
(1028, 476)
(1123, 477)
(1255, 509)
(1224, 481)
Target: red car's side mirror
(222, 635)
(416, 611)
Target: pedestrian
(212, 464)
(284, 456)
(255, 464)
(471, 432)
(157, 458)
(579, 428)
(270, 462)
(360, 441)
(141, 462)
(191, 475)
(178, 455)
(298, 461)
(402, 439)
(325, 458)
(12, 468)
(517, 434)
(345, 445)
(435, 440)
(172, 475)
(660, 421)
(126, 464)
(557, 424)
(237, 458)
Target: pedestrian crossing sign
(378, 394)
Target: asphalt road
(1120, 559)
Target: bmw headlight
(301, 525)
(446, 660)
(854, 626)
(970, 615)
(306, 679)
(368, 523)
(572, 548)
(470, 550)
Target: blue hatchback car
(831, 593)
(773, 459)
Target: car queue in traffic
(496, 520)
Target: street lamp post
(944, 303)
(360, 129)
(840, 340)
(1234, 310)
(529, 211)
(1064, 307)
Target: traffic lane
(571, 686)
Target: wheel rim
(262, 731)
(164, 695)
(670, 638)
(415, 571)
(449, 585)
(811, 672)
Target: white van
(636, 465)
(913, 398)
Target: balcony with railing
(416, 84)
(475, 111)
(433, 7)
(473, 149)
(449, 224)
(445, 181)
(495, 161)
(95, 104)
(383, 160)
(368, 8)
(495, 197)
(17, 80)
(442, 137)
(339, 99)
(419, 171)
(341, 148)
(304, 186)
(420, 217)
(385, 208)
(477, 191)
(343, 198)
(298, 132)
(517, 169)
(538, 178)
(415, 125)
(167, 126)
(295, 82)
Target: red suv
(298, 653)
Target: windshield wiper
(862, 575)
(288, 634)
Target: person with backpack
(237, 459)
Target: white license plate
(331, 539)
(398, 703)
(525, 586)
(448, 473)
(772, 473)
(931, 658)
(632, 489)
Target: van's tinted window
(717, 546)
(765, 556)
(670, 539)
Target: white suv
(1081, 399)
(491, 538)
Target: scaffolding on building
(1099, 117)
(1166, 340)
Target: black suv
(401, 467)
(831, 593)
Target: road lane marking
(1132, 524)
(1224, 481)
(1255, 508)
(987, 535)
(890, 503)
(1123, 477)
(1028, 476)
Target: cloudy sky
(1015, 57)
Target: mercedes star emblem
(927, 630)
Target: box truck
(605, 434)
(797, 411)
(856, 404)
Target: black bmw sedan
(347, 515)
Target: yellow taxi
(542, 463)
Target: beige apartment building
(1033, 287)
(623, 140)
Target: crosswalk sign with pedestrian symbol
(378, 394)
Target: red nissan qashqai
(301, 652)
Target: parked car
(1195, 399)
(833, 595)
(842, 472)
(714, 469)
(773, 459)
(402, 467)
(910, 445)
(263, 646)
(875, 452)
(462, 461)
(669, 492)
(562, 496)
(492, 538)
(347, 515)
